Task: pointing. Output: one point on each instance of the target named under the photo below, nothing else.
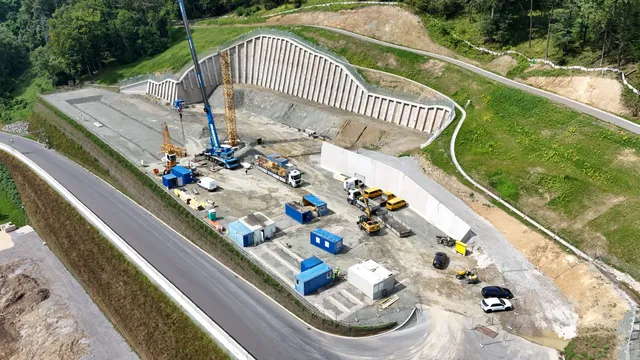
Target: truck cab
(294, 177)
(352, 183)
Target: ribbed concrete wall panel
(287, 65)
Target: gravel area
(51, 316)
(19, 127)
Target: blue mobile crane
(217, 153)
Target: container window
(326, 244)
(297, 282)
(329, 275)
(317, 240)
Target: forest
(62, 40)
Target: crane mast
(219, 154)
(215, 142)
(229, 102)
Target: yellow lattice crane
(229, 105)
(171, 152)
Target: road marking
(274, 271)
(351, 297)
(247, 282)
(339, 305)
(282, 261)
(291, 253)
(217, 332)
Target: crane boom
(215, 142)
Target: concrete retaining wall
(290, 66)
(376, 173)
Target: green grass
(149, 320)
(150, 195)
(552, 162)
(174, 58)
(11, 209)
(23, 97)
(599, 345)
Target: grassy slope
(174, 58)
(552, 162)
(150, 322)
(11, 209)
(24, 97)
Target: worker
(246, 170)
(180, 113)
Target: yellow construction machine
(367, 222)
(171, 152)
(470, 276)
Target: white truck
(279, 168)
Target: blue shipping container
(326, 240)
(241, 234)
(307, 264)
(184, 175)
(313, 279)
(169, 181)
(320, 206)
(298, 212)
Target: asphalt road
(257, 323)
(578, 106)
(262, 327)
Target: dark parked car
(440, 260)
(496, 292)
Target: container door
(180, 181)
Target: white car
(495, 304)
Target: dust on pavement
(597, 301)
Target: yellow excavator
(367, 222)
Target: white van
(207, 183)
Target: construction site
(312, 177)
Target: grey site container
(372, 279)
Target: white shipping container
(263, 228)
(372, 279)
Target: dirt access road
(600, 306)
(397, 25)
(44, 312)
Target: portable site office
(326, 241)
(312, 279)
(372, 279)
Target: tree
(13, 60)
(76, 34)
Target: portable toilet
(240, 233)
(169, 181)
(326, 241)
(211, 214)
(319, 205)
(184, 176)
(313, 279)
(308, 263)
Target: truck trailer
(279, 168)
